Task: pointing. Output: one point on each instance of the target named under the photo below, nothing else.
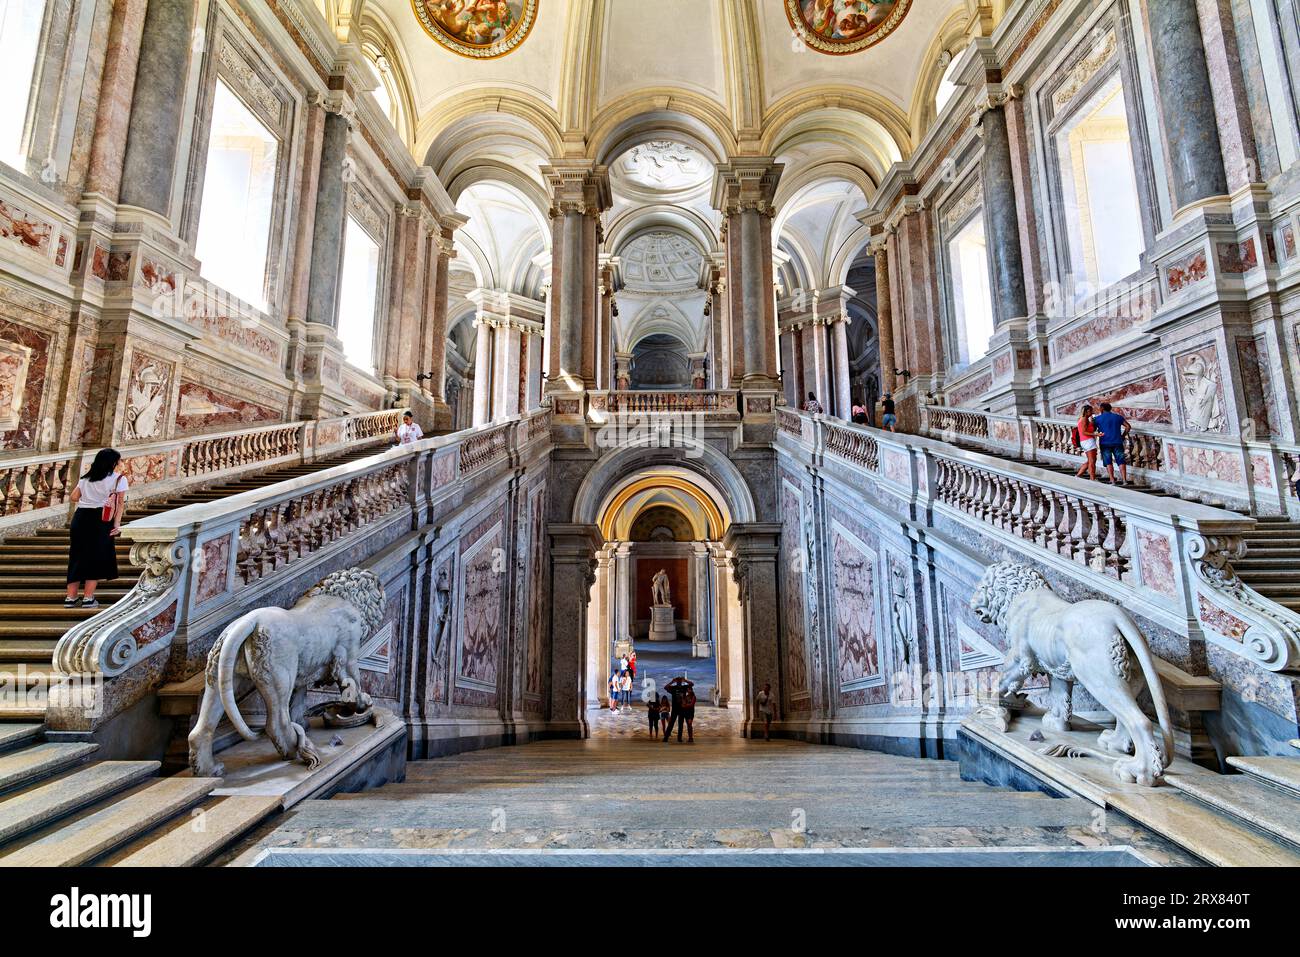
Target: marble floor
(723, 793)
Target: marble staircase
(1272, 548)
(1246, 819)
(33, 570)
(59, 807)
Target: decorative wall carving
(1103, 46)
(147, 397)
(1201, 389)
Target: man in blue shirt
(1111, 429)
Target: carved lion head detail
(358, 587)
(1000, 583)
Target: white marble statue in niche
(1202, 406)
(659, 589)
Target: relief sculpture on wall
(145, 401)
(1202, 394)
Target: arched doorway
(665, 510)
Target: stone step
(40, 761)
(1279, 772)
(24, 674)
(93, 833)
(32, 611)
(1275, 573)
(60, 581)
(19, 735)
(1200, 830)
(27, 649)
(54, 596)
(1270, 552)
(43, 803)
(34, 628)
(28, 709)
(191, 841)
(1243, 799)
(1268, 589)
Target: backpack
(1074, 436)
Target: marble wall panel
(1257, 384)
(794, 564)
(482, 593)
(1143, 400)
(1200, 390)
(204, 409)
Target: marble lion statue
(283, 653)
(1092, 642)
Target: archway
(665, 510)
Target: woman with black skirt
(100, 498)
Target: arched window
(21, 22)
(388, 93)
(947, 84)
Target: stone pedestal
(661, 623)
(701, 647)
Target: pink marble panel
(895, 466)
(1156, 558)
(213, 568)
(1221, 620)
(1237, 258)
(538, 596)
(23, 228)
(1145, 400)
(1186, 271)
(1257, 384)
(1262, 467)
(23, 436)
(970, 390)
(204, 408)
(157, 627)
(1213, 464)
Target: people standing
(100, 497)
(614, 692)
(766, 709)
(1111, 428)
(1085, 434)
(625, 686)
(408, 431)
(888, 419)
(631, 664)
(812, 405)
(860, 416)
(679, 688)
(652, 713)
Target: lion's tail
(232, 643)
(1142, 650)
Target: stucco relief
(22, 434)
(794, 561)
(853, 587)
(15, 358)
(478, 651)
(205, 408)
(146, 398)
(1144, 400)
(1200, 387)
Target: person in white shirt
(408, 431)
(100, 498)
(766, 708)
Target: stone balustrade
(1169, 560)
(34, 489)
(1255, 475)
(711, 401)
(208, 562)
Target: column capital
(995, 97)
(577, 186)
(746, 182)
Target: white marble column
(623, 592)
(755, 549)
(505, 382)
(482, 371)
(598, 631)
(840, 366)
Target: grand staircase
(61, 808)
(1272, 562)
(33, 572)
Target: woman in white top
(408, 431)
(100, 498)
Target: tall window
(358, 286)
(969, 258)
(1103, 225)
(387, 94)
(20, 38)
(238, 193)
(946, 85)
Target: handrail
(1126, 542)
(200, 558)
(31, 483)
(1259, 473)
(673, 401)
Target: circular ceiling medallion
(481, 29)
(844, 26)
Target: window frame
(241, 66)
(955, 212)
(1119, 64)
